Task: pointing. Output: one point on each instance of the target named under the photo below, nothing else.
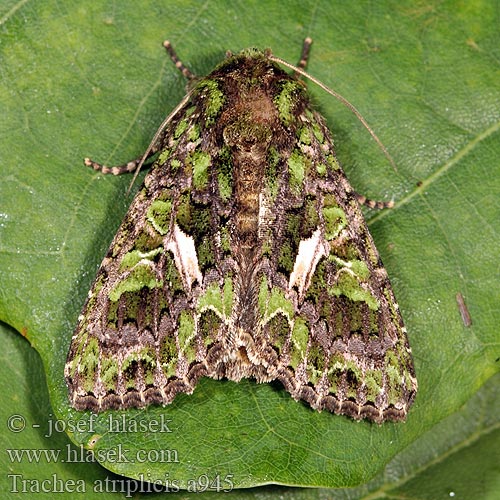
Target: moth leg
(178, 63)
(304, 56)
(363, 200)
(126, 168)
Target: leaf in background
(92, 80)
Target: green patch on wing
(212, 98)
(133, 258)
(200, 162)
(300, 336)
(286, 101)
(273, 302)
(186, 335)
(141, 276)
(297, 165)
(159, 214)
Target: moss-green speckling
(208, 326)
(211, 298)
(300, 335)
(225, 239)
(311, 220)
(190, 111)
(360, 269)
(321, 168)
(348, 285)
(193, 219)
(297, 165)
(317, 132)
(354, 368)
(149, 367)
(109, 373)
(194, 132)
(287, 100)
(408, 382)
(127, 309)
(225, 174)
(293, 226)
(213, 99)
(339, 321)
(393, 377)
(219, 301)
(355, 317)
(315, 362)
(158, 215)
(278, 329)
(333, 162)
(184, 215)
(145, 242)
(206, 256)
(133, 257)
(335, 220)
(181, 128)
(266, 248)
(317, 287)
(373, 384)
(112, 318)
(286, 258)
(186, 335)
(335, 371)
(172, 276)
(168, 356)
(228, 296)
(333, 377)
(271, 303)
(304, 135)
(263, 296)
(200, 162)
(244, 131)
(174, 165)
(142, 276)
(373, 323)
(78, 354)
(88, 365)
(163, 156)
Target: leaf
(91, 80)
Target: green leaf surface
(91, 79)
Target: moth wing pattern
(244, 254)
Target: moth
(244, 254)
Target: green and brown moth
(244, 254)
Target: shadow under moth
(244, 254)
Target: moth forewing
(244, 254)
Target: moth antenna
(304, 56)
(160, 130)
(178, 63)
(340, 98)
